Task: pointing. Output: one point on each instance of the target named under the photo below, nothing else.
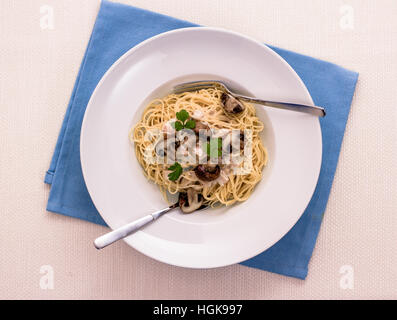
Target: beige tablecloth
(49, 256)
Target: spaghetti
(220, 184)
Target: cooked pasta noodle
(205, 106)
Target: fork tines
(194, 86)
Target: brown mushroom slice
(231, 104)
(207, 172)
(190, 201)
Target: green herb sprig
(177, 170)
(183, 122)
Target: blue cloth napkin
(120, 27)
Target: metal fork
(197, 85)
(132, 227)
(124, 231)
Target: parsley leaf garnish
(182, 115)
(178, 125)
(176, 169)
(190, 124)
(181, 123)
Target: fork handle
(314, 110)
(126, 230)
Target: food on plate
(205, 145)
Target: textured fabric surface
(39, 67)
(330, 86)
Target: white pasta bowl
(213, 237)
